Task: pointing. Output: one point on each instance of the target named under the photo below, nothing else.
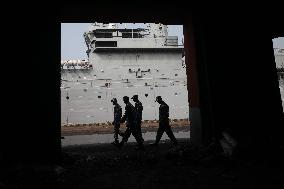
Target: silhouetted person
(129, 117)
(138, 115)
(117, 113)
(164, 125)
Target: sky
(278, 42)
(73, 44)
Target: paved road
(108, 138)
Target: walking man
(138, 115)
(117, 112)
(164, 125)
(129, 117)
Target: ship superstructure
(132, 50)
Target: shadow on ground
(165, 166)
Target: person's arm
(113, 122)
(167, 110)
(140, 110)
(123, 118)
(120, 113)
(126, 114)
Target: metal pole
(154, 97)
(67, 97)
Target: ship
(124, 62)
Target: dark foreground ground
(104, 166)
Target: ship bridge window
(126, 35)
(103, 35)
(131, 35)
(106, 43)
(136, 35)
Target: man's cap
(134, 96)
(114, 100)
(159, 97)
(126, 97)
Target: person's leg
(137, 137)
(120, 133)
(139, 130)
(126, 135)
(171, 135)
(116, 132)
(159, 135)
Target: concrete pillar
(192, 85)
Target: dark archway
(224, 82)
